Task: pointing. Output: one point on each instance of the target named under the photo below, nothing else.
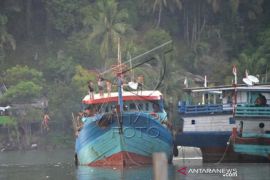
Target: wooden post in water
(160, 166)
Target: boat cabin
(146, 101)
(206, 100)
(222, 98)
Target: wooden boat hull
(122, 159)
(252, 149)
(105, 144)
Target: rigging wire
(139, 56)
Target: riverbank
(45, 141)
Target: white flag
(186, 82)
(234, 71)
(205, 81)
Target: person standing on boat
(156, 110)
(79, 123)
(101, 84)
(91, 89)
(140, 80)
(109, 88)
(261, 100)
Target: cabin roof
(127, 96)
(238, 87)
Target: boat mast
(119, 78)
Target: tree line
(51, 48)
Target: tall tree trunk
(47, 28)
(186, 22)
(199, 21)
(28, 15)
(159, 16)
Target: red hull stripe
(125, 98)
(255, 141)
(123, 159)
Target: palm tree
(159, 5)
(107, 24)
(215, 4)
(5, 37)
(253, 62)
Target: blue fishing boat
(126, 127)
(251, 137)
(123, 136)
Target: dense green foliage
(6, 120)
(24, 84)
(52, 48)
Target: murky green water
(54, 165)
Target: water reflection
(58, 164)
(86, 173)
(133, 173)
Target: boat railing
(207, 108)
(251, 110)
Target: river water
(58, 164)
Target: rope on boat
(183, 154)
(139, 56)
(133, 161)
(225, 152)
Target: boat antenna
(266, 73)
(234, 71)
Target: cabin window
(229, 100)
(140, 106)
(147, 106)
(261, 125)
(98, 108)
(231, 120)
(132, 107)
(192, 121)
(156, 107)
(125, 107)
(113, 108)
